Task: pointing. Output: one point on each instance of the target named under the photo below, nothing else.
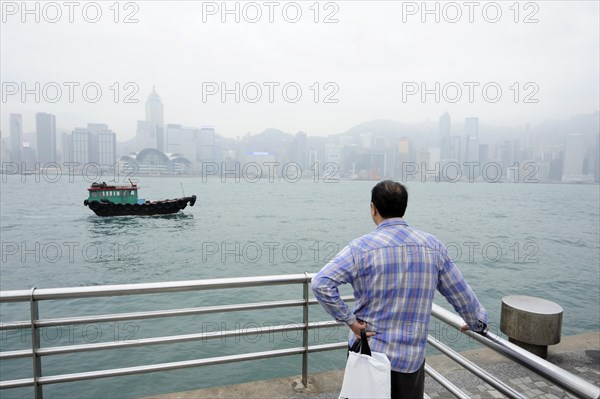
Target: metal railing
(34, 296)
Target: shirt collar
(392, 222)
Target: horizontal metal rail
(169, 366)
(42, 294)
(443, 381)
(475, 369)
(561, 377)
(159, 313)
(172, 339)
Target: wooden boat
(112, 200)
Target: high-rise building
(597, 156)
(80, 146)
(45, 126)
(94, 144)
(472, 149)
(472, 127)
(205, 144)
(472, 139)
(182, 140)
(299, 150)
(145, 136)
(444, 125)
(16, 137)
(444, 130)
(155, 115)
(573, 163)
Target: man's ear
(373, 210)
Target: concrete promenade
(579, 354)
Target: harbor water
(507, 238)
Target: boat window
(132, 192)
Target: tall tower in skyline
(155, 116)
(16, 137)
(45, 127)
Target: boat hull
(165, 207)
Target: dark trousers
(408, 385)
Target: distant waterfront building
(452, 149)
(80, 146)
(573, 163)
(145, 135)
(195, 144)
(45, 126)
(472, 149)
(597, 156)
(29, 157)
(299, 151)
(155, 117)
(16, 137)
(155, 162)
(444, 125)
(95, 143)
(472, 127)
(334, 155)
(181, 140)
(444, 130)
(205, 145)
(471, 139)
(313, 157)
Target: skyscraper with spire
(154, 117)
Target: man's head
(388, 200)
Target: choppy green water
(531, 239)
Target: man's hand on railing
(482, 328)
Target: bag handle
(364, 344)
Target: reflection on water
(118, 225)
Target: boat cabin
(112, 193)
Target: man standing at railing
(395, 271)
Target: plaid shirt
(395, 271)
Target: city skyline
(368, 155)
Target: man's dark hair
(390, 198)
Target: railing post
(305, 332)
(35, 345)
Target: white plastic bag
(367, 375)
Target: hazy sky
(374, 55)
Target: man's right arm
(324, 285)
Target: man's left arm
(457, 291)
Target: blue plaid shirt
(395, 271)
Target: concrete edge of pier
(579, 354)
